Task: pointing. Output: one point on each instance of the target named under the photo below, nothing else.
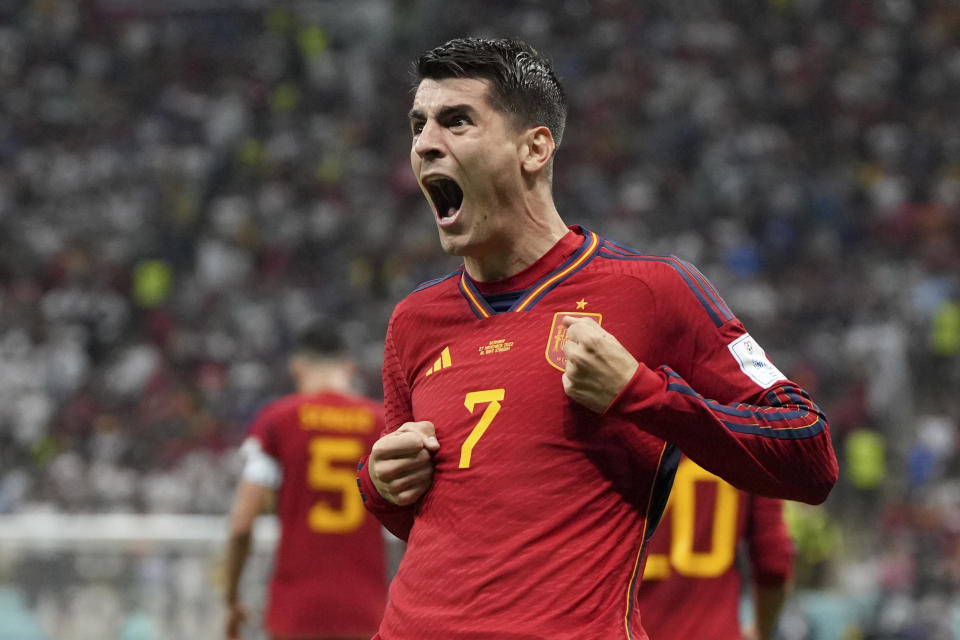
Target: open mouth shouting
(446, 196)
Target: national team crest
(558, 337)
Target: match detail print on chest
(512, 343)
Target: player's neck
(536, 232)
(325, 379)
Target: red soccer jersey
(536, 518)
(329, 575)
(691, 584)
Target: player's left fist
(598, 366)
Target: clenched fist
(401, 463)
(598, 366)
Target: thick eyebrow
(443, 112)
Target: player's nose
(429, 142)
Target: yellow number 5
(490, 397)
(323, 476)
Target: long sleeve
(778, 445)
(396, 402)
(768, 542)
(707, 387)
(771, 561)
(397, 520)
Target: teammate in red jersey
(691, 581)
(329, 575)
(537, 399)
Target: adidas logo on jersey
(442, 362)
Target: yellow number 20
(490, 397)
(681, 509)
(322, 475)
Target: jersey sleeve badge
(753, 361)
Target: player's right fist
(401, 463)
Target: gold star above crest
(581, 304)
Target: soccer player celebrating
(329, 577)
(692, 581)
(537, 398)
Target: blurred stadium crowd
(182, 188)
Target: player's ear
(537, 149)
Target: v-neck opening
(567, 256)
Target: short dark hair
(523, 84)
(319, 339)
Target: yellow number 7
(491, 396)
